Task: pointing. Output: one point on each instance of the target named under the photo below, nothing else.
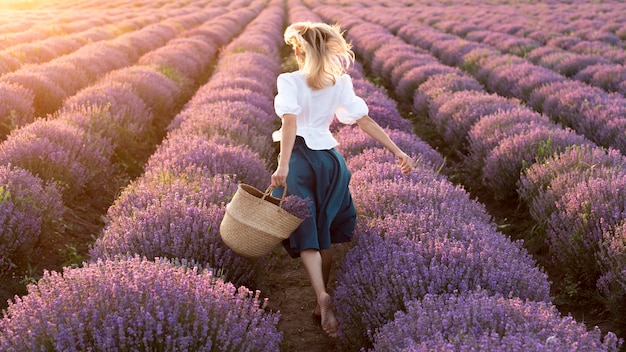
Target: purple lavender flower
(135, 304)
(115, 111)
(440, 84)
(606, 76)
(612, 259)
(391, 271)
(487, 133)
(30, 210)
(454, 114)
(511, 44)
(520, 80)
(33, 53)
(189, 57)
(576, 163)
(353, 141)
(480, 321)
(412, 79)
(160, 93)
(588, 110)
(451, 52)
(16, 107)
(58, 73)
(214, 155)
(504, 164)
(297, 206)
(241, 123)
(58, 152)
(251, 98)
(48, 96)
(379, 189)
(174, 226)
(191, 184)
(581, 217)
(8, 63)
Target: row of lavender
(173, 211)
(591, 111)
(423, 247)
(595, 56)
(36, 90)
(509, 76)
(47, 41)
(574, 189)
(79, 156)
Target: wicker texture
(255, 222)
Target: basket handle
(268, 191)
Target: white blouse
(315, 109)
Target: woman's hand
(406, 162)
(279, 177)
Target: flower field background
(126, 126)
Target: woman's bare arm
(373, 129)
(287, 140)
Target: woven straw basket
(255, 222)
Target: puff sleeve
(351, 107)
(286, 101)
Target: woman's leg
(327, 263)
(314, 265)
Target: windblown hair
(324, 53)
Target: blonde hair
(324, 53)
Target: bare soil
(287, 286)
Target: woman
(308, 164)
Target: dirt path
(287, 286)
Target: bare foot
(329, 322)
(317, 311)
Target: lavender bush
(575, 229)
(136, 304)
(191, 184)
(174, 225)
(250, 97)
(380, 189)
(609, 77)
(504, 164)
(160, 93)
(58, 73)
(412, 79)
(222, 112)
(188, 56)
(441, 84)
(130, 113)
(131, 142)
(30, 211)
(16, 107)
(352, 142)
(588, 110)
(487, 133)
(48, 96)
(388, 272)
(454, 114)
(612, 283)
(408, 60)
(520, 80)
(538, 184)
(480, 321)
(250, 128)
(214, 156)
(58, 152)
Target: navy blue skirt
(322, 176)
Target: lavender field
(126, 127)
